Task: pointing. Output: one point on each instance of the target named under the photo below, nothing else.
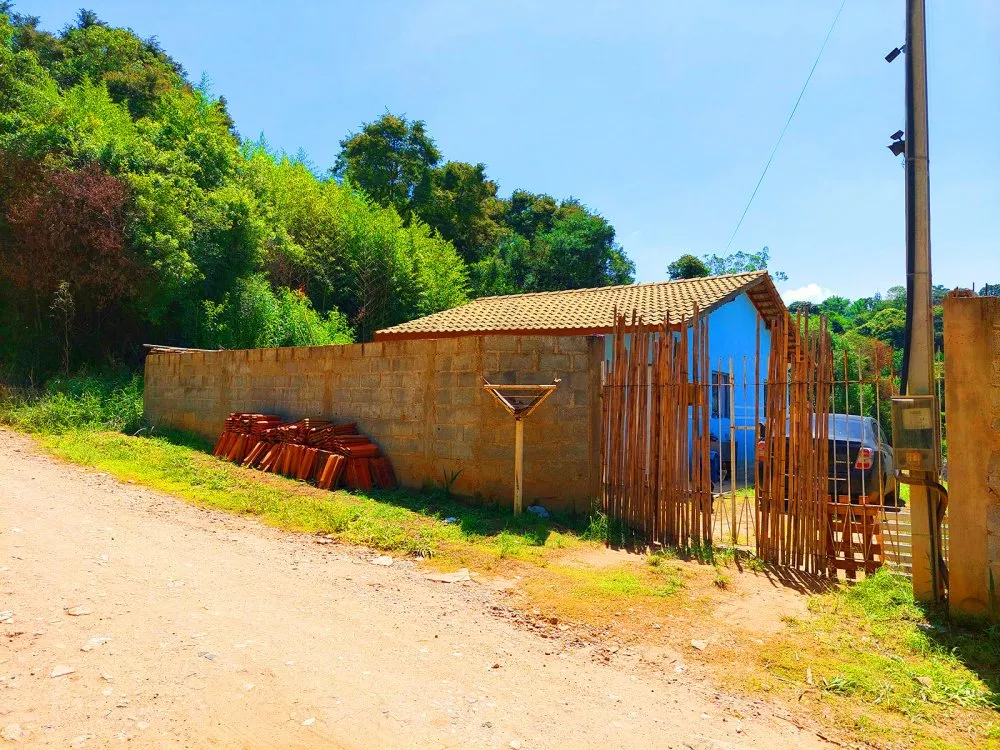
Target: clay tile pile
(308, 449)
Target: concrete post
(920, 373)
(972, 398)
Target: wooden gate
(655, 449)
(792, 484)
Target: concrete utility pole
(920, 372)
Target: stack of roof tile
(241, 431)
(307, 449)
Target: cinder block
(446, 346)
(462, 451)
(447, 432)
(525, 364)
(372, 349)
(393, 348)
(406, 446)
(418, 347)
(380, 364)
(555, 363)
(467, 362)
(570, 344)
(500, 343)
(463, 396)
(462, 414)
(470, 344)
(445, 380)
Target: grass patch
(69, 404)
(399, 521)
(886, 665)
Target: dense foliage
(132, 212)
(112, 401)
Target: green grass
(910, 660)
(627, 583)
(885, 662)
(85, 419)
(69, 404)
(398, 521)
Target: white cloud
(808, 293)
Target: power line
(787, 122)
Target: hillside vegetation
(131, 211)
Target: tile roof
(591, 310)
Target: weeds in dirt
(721, 579)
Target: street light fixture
(898, 145)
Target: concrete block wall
(422, 401)
(972, 413)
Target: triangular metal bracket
(519, 401)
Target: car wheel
(889, 500)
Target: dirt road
(189, 628)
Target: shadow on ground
(471, 517)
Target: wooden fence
(795, 505)
(655, 448)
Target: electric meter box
(916, 437)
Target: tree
(888, 325)
(463, 207)
(578, 251)
(687, 267)
(131, 210)
(391, 160)
(804, 307)
(742, 262)
(69, 225)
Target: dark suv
(861, 460)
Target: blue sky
(659, 115)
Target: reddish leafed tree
(68, 225)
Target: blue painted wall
(732, 334)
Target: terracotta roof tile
(591, 310)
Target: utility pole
(920, 357)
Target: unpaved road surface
(223, 632)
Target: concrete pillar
(972, 414)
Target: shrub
(81, 403)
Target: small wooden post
(520, 401)
(518, 464)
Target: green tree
(888, 325)
(391, 160)
(579, 251)
(463, 207)
(742, 262)
(226, 243)
(687, 267)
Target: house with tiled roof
(575, 312)
(741, 309)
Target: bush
(82, 403)
(252, 315)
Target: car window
(846, 427)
